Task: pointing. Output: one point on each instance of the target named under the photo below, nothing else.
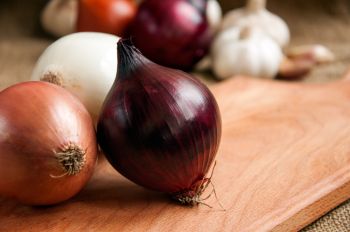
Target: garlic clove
(294, 68)
(314, 52)
(224, 37)
(273, 57)
(59, 17)
(222, 63)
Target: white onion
(84, 63)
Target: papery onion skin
(40, 123)
(173, 33)
(159, 127)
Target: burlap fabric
(312, 21)
(337, 220)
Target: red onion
(159, 127)
(173, 33)
(48, 145)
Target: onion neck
(53, 77)
(129, 59)
(256, 5)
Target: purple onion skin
(173, 33)
(159, 127)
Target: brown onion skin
(37, 119)
(159, 127)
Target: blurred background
(327, 20)
(314, 21)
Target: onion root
(52, 77)
(192, 197)
(72, 159)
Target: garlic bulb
(84, 63)
(214, 15)
(256, 14)
(59, 17)
(245, 51)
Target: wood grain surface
(283, 162)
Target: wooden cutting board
(283, 162)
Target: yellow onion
(48, 147)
